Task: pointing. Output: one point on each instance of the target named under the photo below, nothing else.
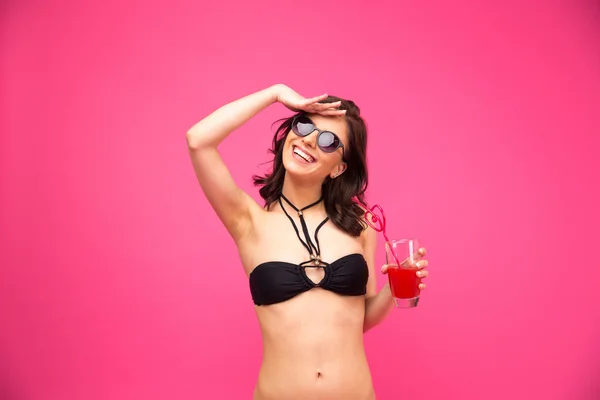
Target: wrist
(275, 90)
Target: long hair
(342, 196)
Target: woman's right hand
(295, 102)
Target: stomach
(313, 349)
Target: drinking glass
(403, 278)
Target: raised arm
(233, 206)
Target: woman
(308, 252)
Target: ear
(338, 170)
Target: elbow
(195, 140)
(367, 323)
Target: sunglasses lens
(303, 126)
(328, 142)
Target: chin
(299, 170)
(295, 169)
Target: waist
(344, 378)
(313, 348)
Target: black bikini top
(276, 281)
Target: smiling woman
(319, 175)
(315, 153)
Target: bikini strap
(313, 250)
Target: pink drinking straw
(381, 228)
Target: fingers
(333, 112)
(412, 261)
(422, 274)
(324, 106)
(312, 105)
(315, 99)
(320, 107)
(330, 109)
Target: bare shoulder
(368, 235)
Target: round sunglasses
(327, 141)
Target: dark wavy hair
(342, 196)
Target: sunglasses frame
(340, 143)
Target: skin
(312, 343)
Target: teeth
(302, 154)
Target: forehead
(336, 125)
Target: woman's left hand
(417, 261)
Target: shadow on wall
(588, 388)
(593, 8)
(9, 387)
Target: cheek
(286, 154)
(285, 157)
(329, 159)
(287, 144)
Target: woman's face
(303, 158)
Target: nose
(309, 140)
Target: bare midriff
(313, 349)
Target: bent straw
(381, 228)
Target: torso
(313, 342)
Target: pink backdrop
(118, 281)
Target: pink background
(118, 281)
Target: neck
(302, 194)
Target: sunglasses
(327, 141)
